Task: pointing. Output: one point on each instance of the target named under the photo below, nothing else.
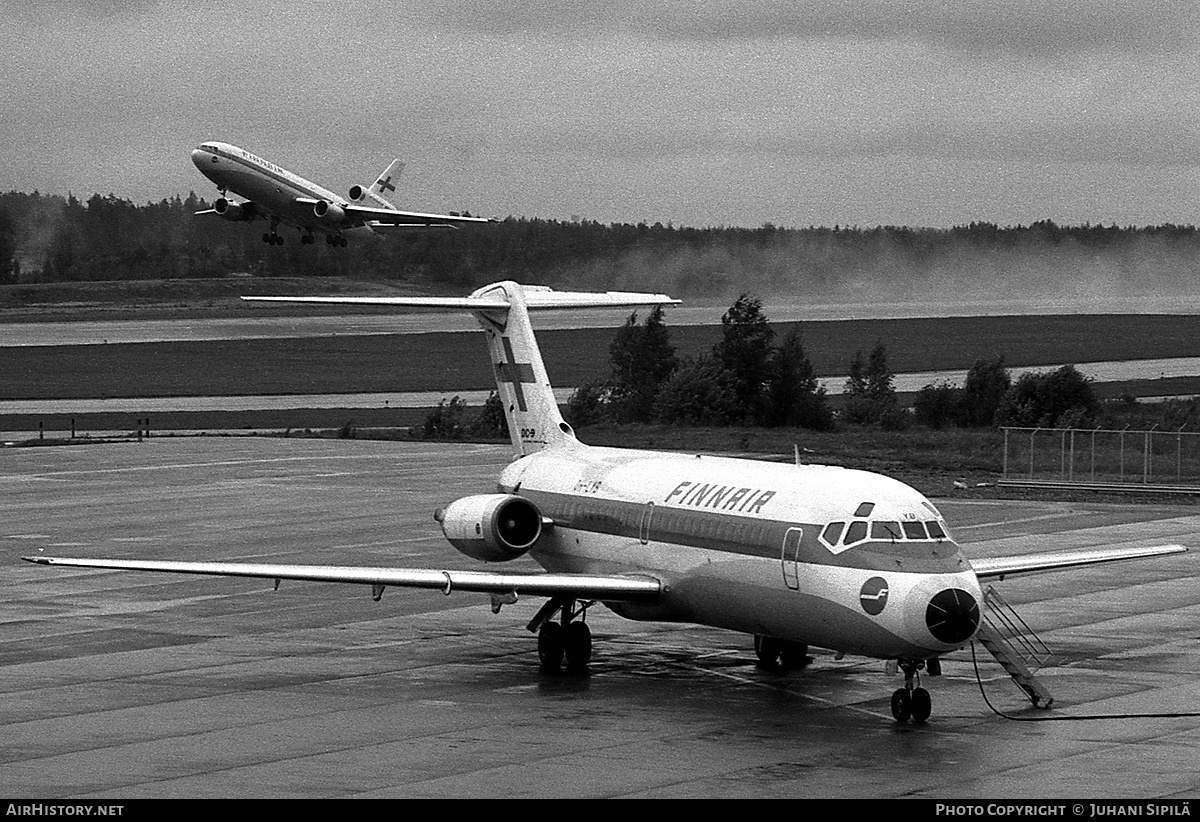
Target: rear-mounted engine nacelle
(491, 527)
(234, 212)
(357, 194)
(329, 211)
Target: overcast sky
(797, 112)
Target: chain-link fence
(1153, 459)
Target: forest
(50, 238)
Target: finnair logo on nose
(873, 595)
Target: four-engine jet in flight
(275, 194)
(795, 555)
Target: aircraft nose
(952, 616)
(199, 156)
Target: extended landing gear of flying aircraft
(271, 238)
(335, 240)
(912, 701)
(568, 638)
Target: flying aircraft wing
(362, 214)
(1001, 567)
(580, 586)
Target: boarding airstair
(1015, 646)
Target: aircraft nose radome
(952, 616)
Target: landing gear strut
(911, 701)
(272, 237)
(568, 638)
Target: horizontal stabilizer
(1001, 567)
(536, 298)
(580, 586)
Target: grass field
(458, 361)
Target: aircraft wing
(1001, 567)
(389, 216)
(580, 586)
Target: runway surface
(121, 685)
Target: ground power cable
(998, 712)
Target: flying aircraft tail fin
(385, 184)
(502, 310)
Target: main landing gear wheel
(578, 649)
(270, 238)
(770, 650)
(551, 646)
(569, 638)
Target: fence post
(1179, 453)
(1148, 455)
(1004, 470)
(1094, 430)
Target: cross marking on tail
(385, 183)
(514, 373)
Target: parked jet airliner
(275, 194)
(796, 555)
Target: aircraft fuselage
(271, 188)
(826, 556)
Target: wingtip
(38, 560)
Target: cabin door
(791, 557)
(644, 525)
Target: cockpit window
(914, 530)
(864, 509)
(935, 530)
(857, 532)
(886, 530)
(833, 532)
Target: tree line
(49, 238)
(751, 379)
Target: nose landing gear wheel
(912, 701)
(922, 705)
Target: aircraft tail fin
(385, 184)
(502, 310)
(376, 194)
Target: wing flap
(1001, 567)
(583, 586)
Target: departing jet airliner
(796, 555)
(275, 194)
